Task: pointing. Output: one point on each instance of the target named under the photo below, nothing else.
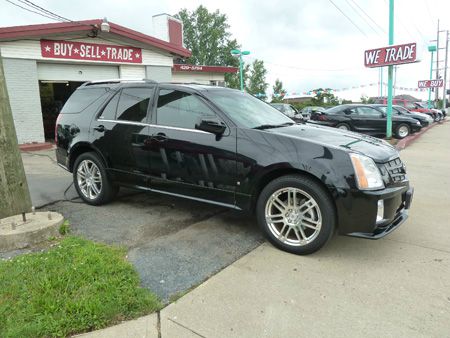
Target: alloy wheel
(403, 131)
(293, 216)
(89, 179)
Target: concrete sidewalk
(395, 287)
(398, 286)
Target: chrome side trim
(226, 205)
(63, 166)
(153, 125)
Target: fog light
(380, 211)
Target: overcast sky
(305, 43)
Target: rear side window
(83, 98)
(133, 104)
(109, 112)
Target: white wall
(23, 90)
(31, 49)
(197, 77)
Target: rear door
(121, 133)
(186, 161)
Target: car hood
(378, 150)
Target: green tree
(256, 84)
(278, 91)
(324, 97)
(207, 36)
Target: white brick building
(44, 64)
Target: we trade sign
(431, 83)
(391, 55)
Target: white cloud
(300, 41)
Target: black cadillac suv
(225, 147)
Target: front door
(370, 120)
(186, 161)
(121, 133)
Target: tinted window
(180, 109)
(367, 111)
(83, 98)
(109, 112)
(133, 104)
(246, 110)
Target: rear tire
(402, 131)
(91, 180)
(343, 126)
(296, 214)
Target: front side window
(180, 109)
(245, 110)
(367, 111)
(133, 104)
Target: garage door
(71, 72)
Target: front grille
(396, 170)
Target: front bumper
(360, 220)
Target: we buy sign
(431, 83)
(391, 55)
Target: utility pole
(436, 90)
(14, 193)
(390, 73)
(444, 98)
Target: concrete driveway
(398, 286)
(174, 244)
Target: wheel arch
(81, 148)
(279, 172)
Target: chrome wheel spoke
(89, 179)
(293, 216)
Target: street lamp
(431, 49)
(239, 53)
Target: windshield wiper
(269, 126)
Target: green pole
(241, 75)
(390, 72)
(431, 77)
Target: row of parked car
(407, 117)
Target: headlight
(418, 123)
(367, 175)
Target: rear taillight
(56, 129)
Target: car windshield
(248, 111)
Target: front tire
(296, 214)
(91, 181)
(402, 131)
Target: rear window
(83, 98)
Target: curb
(403, 143)
(35, 146)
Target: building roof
(30, 31)
(203, 68)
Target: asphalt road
(174, 243)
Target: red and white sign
(90, 51)
(391, 55)
(431, 83)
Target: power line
(365, 13)
(348, 18)
(29, 10)
(39, 8)
(359, 14)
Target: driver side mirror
(211, 125)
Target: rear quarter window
(84, 98)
